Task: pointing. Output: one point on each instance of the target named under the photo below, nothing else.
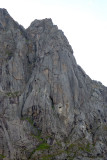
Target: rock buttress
(49, 107)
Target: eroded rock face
(49, 108)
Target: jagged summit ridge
(47, 21)
(49, 107)
(3, 11)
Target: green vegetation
(43, 146)
(71, 146)
(13, 94)
(2, 156)
(32, 153)
(73, 150)
(88, 148)
(30, 121)
(46, 157)
(80, 147)
(49, 156)
(58, 143)
(37, 137)
(53, 107)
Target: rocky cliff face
(49, 108)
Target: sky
(84, 23)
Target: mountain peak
(49, 107)
(3, 11)
(46, 21)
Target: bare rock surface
(50, 109)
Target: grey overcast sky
(84, 22)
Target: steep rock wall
(49, 107)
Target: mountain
(50, 109)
